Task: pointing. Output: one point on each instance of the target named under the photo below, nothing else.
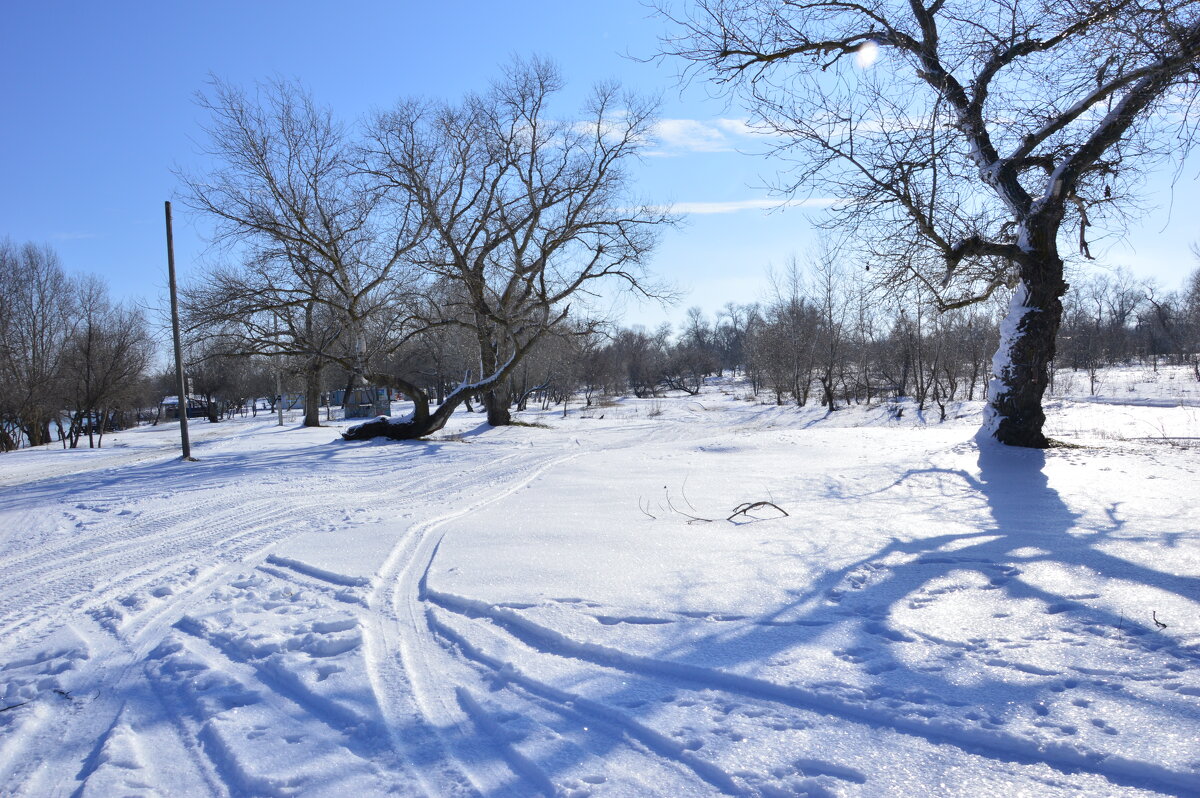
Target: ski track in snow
(161, 636)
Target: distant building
(293, 401)
(168, 408)
(363, 402)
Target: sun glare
(866, 55)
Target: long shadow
(167, 472)
(1005, 711)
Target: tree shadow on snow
(980, 691)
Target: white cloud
(751, 204)
(736, 127)
(675, 136)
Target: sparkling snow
(564, 610)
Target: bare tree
(37, 316)
(831, 296)
(527, 213)
(639, 358)
(730, 335)
(106, 357)
(1191, 316)
(787, 345)
(988, 134)
(321, 251)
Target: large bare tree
(492, 217)
(528, 213)
(318, 257)
(974, 143)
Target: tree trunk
(1021, 367)
(312, 395)
(498, 397)
(497, 404)
(827, 390)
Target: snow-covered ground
(543, 610)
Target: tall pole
(180, 388)
(278, 379)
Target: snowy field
(565, 610)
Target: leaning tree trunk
(418, 424)
(494, 389)
(1021, 367)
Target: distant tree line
(827, 336)
(831, 338)
(1109, 319)
(73, 363)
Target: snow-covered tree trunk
(420, 422)
(1021, 366)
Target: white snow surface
(541, 610)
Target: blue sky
(98, 107)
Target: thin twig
(744, 509)
(683, 493)
(645, 511)
(691, 518)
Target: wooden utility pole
(180, 387)
(278, 378)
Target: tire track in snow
(48, 588)
(114, 671)
(520, 764)
(981, 742)
(224, 708)
(209, 504)
(657, 752)
(572, 705)
(413, 687)
(361, 736)
(39, 585)
(44, 595)
(51, 585)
